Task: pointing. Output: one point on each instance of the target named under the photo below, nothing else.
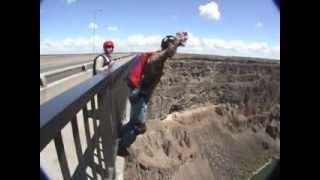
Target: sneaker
(122, 151)
(140, 128)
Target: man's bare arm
(163, 55)
(181, 38)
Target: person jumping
(143, 76)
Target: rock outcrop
(220, 119)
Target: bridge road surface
(48, 157)
(53, 62)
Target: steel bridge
(93, 109)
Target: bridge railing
(51, 76)
(102, 101)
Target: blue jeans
(139, 106)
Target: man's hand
(182, 38)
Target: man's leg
(136, 125)
(133, 99)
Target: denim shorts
(138, 114)
(139, 106)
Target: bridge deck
(52, 62)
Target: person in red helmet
(102, 61)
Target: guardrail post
(43, 80)
(107, 131)
(84, 68)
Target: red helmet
(108, 44)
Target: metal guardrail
(58, 74)
(51, 76)
(106, 95)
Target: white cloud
(139, 42)
(71, 45)
(259, 25)
(112, 28)
(92, 26)
(193, 41)
(71, 1)
(49, 43)
(205, 45)
(276, 48)
(210, 10)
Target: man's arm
(181, 38)
(163, 55)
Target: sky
(222, 27)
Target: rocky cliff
(210, 117)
